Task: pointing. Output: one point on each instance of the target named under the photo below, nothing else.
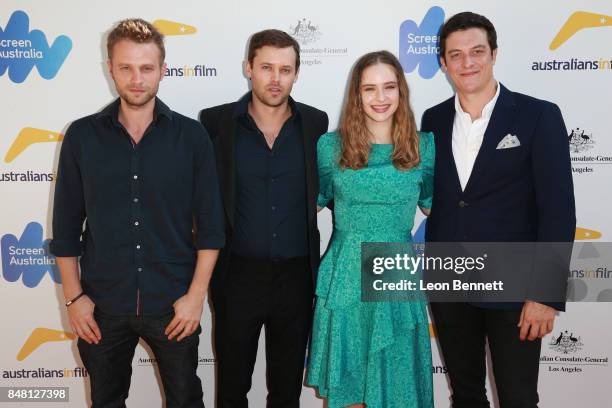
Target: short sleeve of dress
(327, 148)
(428, 154)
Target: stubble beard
(272, 102)
(138, 102)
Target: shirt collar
(112, 111)
(241, 111)
(487, 111)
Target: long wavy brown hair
(354, 132)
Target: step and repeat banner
(53, 70)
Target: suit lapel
(227, 166)
(446, 141)
(499, 126)
(308, 137)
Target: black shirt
(271, 216)
(140, 203)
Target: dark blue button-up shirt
(271, 217)
(139, 203)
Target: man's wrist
(74, 299)
(72, 293)
(197, 292)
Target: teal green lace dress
(377, 353)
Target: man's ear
(164, 67)
(442, 63)
(109, 65)
(248, 70)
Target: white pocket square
(508, 142)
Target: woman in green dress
(376, 169)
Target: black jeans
(462, 330)
(277, 295)
(109, 362)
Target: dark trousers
(109, 362)
(462, 330)
(277, 295)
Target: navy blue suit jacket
(522, 194)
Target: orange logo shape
(583, 234)
(576, 22)
(167, 27)
(28, 136)
(40, 336)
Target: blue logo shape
(28, 258)
(419, 234)
(418, 44)
(22, 49)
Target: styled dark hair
(273, 38)
(137, 30)
(464, 21)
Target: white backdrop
(69, 81)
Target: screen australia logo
(21, 50)
(28, 258)
(419, 44)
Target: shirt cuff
(65, 247)
(210, 241)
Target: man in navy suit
(502, 174)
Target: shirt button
(136, 223)
(274, 235)
(135, 176)
(135, 200)
(273, 208)
(139, 269)
(137, 246)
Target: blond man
(138, 175)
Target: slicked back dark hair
(273, 38)
(465, 21)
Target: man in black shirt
(139, 175)
(265, 146)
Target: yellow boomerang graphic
(40, 336)
(167, 27)
(576, 22)
(28, 136)
(584, 234)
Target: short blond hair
(137, 30)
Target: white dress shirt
(467, 137)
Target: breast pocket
(510, 160)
